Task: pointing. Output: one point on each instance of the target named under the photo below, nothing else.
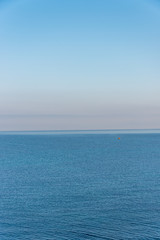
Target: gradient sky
(79, 64)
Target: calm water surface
(79, 186)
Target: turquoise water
(79, 186)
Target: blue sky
(84, 64)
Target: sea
(76, 185)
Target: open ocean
(75, 186)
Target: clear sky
(79, 64)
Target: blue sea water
(79, 186)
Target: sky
(84, 64)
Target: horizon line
(133, 130)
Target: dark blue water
(79, 186)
